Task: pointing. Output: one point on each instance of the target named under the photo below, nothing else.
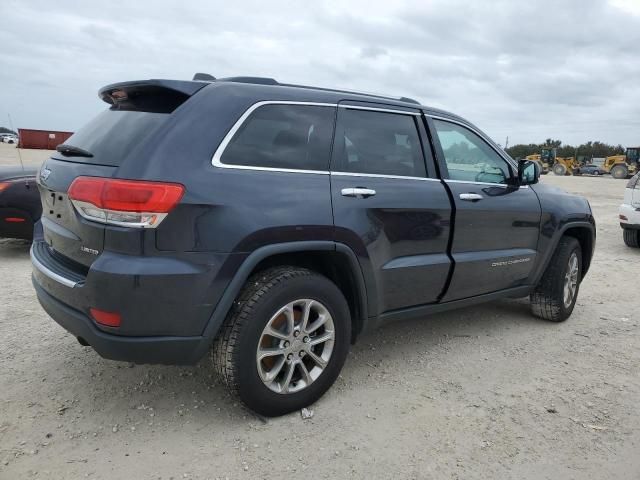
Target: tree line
(7, 130)
(585, 150)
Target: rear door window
(378, 143)
(289, 137)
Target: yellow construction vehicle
(623, 166)
(548, 159)
(565, 165)
(544, 159)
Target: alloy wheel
(295, 346)
(571, 280)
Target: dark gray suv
(272, 224)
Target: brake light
(4, 186)
(109, 319)
(14, 220)
(130, 203)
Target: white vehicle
(629, 212)
(8, 138)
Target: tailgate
(65, 231)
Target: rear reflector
(108, 319)
(14, 220)
(132, 203)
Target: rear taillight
(4, 186)
(129, 203)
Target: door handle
(471, 197)
(358, 192)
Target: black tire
(547, 300)
(234, 350)
(619, 171)
(559, 169)
(631, 237)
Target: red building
(44, 139)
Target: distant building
(43, 139)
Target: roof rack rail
(256, 80)
(204, 77)
(357, 92)
(273, 81)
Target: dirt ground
(487, 392)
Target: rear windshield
(112, 135)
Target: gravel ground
(485, 392)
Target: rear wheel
(619, 171)
(559, 169)
(631, 237)
(285, 340)
(555, 296)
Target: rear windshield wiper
(71, 151)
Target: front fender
(550, 235)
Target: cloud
(529, 70)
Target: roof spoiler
(153, 95)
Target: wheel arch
(333, 260)
(586, 238)
(582, 231)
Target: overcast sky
(531, 69)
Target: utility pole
(506, 143)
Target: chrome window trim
(505, 185)
(216, 159)
(380, 175)
(378, 109)
(50, 273)
(488, 141)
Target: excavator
(623, 166)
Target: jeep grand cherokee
(272, 224)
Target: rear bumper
(165, 303)
(631, 214)
(161, 349)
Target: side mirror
(528, 172)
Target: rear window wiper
(71, 151)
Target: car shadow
(10, 248)
(194, 394)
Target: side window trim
(217, 156)
(419, 131)
(441, 162)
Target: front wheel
(559, 169)
(619, 171)
(285, 340)
(555, 295)
(631, 237)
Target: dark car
(20, 205)
(590, 170)
(272, 224)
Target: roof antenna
(18, 145)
